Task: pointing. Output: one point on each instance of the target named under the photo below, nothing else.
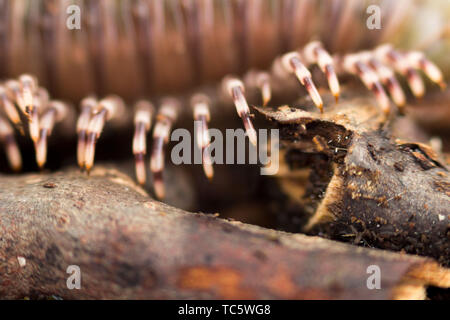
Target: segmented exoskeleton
(154, 48)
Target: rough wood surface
(370, 187)
(130, 246)
(433, 113)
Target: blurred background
(149, 47)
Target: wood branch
(364, 185)
(130, 246)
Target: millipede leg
(200, 105)
(315, 53)
(28, 87)
(54, 113)
(261, 81)
(14, 89)
(8, 107)
(388, 78)
(95, 128)
(401, 64)
(47, 123)
(142, 121)
(11, 147)
(418, 60)
(167, 115)
(87, 106)
(353, 64)
(291, 62)
(14, 93)
(106, 109)
(263, 84)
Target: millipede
(152, 48)
(132, 71)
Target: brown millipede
(141, 48)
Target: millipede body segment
(43, 113)
(153, 47)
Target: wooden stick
(370, 188)
(130, 246)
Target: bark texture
(130, 246)
(363, 184)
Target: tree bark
(130, 246)
(358, 182)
